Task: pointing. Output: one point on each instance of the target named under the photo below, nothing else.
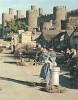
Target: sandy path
(16, 82)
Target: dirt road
(16, 82)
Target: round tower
(32, 17)
(33, 7)
(10, 11)
(59, 13)
(40, 11)
(18, 14)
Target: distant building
(25, 37)
(71, 21)
(32, 17)
(7, 17)
(45, 39)
(35, 18)
(20, 31)
(74, 39)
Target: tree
(0, 26)
(12, 26)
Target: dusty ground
(4, 42)
(16, 82)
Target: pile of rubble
(25, 63)
(21, 64)
(1, 50)
(54, 89)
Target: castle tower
(3, 23)
(3, 19)
(10, 11)
(7, 17)
(59, 13)
(33, 7)
(40, 11)
(32, 16)
(18, 14)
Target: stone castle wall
(32, 17)
(72, 19)
(60, 12)
(35, 18)
(6, 17)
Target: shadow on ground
(64, 81)
(27, 83)
(10, 62)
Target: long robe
(45, 72)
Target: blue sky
(24, 5)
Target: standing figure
(52, 54)
(46, 71)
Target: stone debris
(54, 89)
(1, 50)
(23, 63)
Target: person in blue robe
(46, 70)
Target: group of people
(69, 55)
(73, 63)
(70, 60)
(49, 58)
(72, 57)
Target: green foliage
(12, 26)
(0, 26)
